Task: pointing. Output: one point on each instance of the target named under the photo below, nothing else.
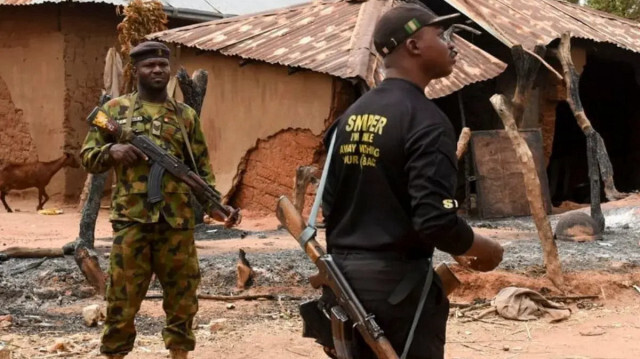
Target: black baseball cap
(402, 21)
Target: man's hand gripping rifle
(163, 161)
(349, 309)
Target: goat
(32, 174)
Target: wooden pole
(467, 156)
(193, 91)
(463, 142)
(572, 78)
(87, 260)
(527, 67)
(533, 190)
(304, 176)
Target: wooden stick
(23, 252)
(474, 307)
(533, 190)
(544, 63)
(486, 312)
(463, 142)
(572, 79)
(572, 297)
(30, 266)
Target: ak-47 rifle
(331, 277)
(161, 161)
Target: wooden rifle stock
(291, 219)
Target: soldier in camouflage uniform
(150, 238)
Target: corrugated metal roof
(332, 37)
(313, 36)
(474, 65)
(245, 7)
(195, 5)
(529, 23)
(227, 7)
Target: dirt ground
(46, 302)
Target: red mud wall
(254, 102)
(89, 30)
(16, 144)
(52, 59)
(31, 69)
(270, 169)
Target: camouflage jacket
(129, 201)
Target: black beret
(148, 50)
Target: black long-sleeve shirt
(392, 176)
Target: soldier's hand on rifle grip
(484, 255)
(126, 154)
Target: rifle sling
(132, 107)
(310, 231)
(416, 317)
(187, 141)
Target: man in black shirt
(389, 199)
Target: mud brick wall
(16, 144)
(269, 169)
(89, 31)
(32, 86)
(51, 65)
(246, 104)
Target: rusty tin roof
(332, 37)
(474, 65)
(529, 23)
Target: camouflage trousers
(138, 251)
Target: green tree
(625, 8)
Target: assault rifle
(349, 308)
(162, 161)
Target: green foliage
(625, 8)
(141, 18)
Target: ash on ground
(617, 252)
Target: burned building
(279, 78)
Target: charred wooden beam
(87, 260)
(527, 67)
(90, 210)
(533, 190)
(572, 79)
(194, 89)
(23, 252)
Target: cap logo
(412, 26)
(159, 52)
